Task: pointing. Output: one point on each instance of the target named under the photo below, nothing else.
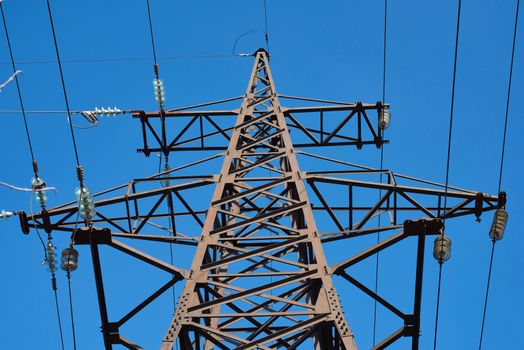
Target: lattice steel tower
(259, 277)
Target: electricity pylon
(259, 277)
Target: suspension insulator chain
(442, 249)
(498, 227)
(86, 204)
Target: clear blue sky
(329, 50)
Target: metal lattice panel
(259, 277)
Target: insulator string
(53, 277)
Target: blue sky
(329, 50)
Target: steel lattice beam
(258, 226)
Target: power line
(122, 59)
(509, 94)
(166, 159)
(265, 22)
(71, 308)
(79, 168)
(385, 50)
(68, 271)
(151, 31)
(265, 32)
(381, 166)
(63, 83)
(53, 277)
(488, 284)
(157, 83)
(240, 37)
(452, 107)
(487, 293)
(16, 82)
(35, 167)
(58, 316)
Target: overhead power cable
(151, 31)
(265, 32)
(159, 92)
(122, 59)
(58, 313)
(509, 94)
(63, 82)
(71, 311)
(502, 153)
(487, 293)
(265, 23)
(377, 256)
(233, 50)
(40, 189)
(450, 133)
(17, 83)
(82, 192)
(158, 84)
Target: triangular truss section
(259, 278)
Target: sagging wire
(86, 205)
(377, 256)
(85, 201)
(158, 87)
(63, 82)
(265, 22)
(38, 184)
(124, 59)
(501, 216)
(172, 227)
(442, 244)
(233, 50)
(69, 264)
(15, 77)
(151, 31)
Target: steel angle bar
(338, 268)
(178, 273)
(257, 252)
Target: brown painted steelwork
(259, 277)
